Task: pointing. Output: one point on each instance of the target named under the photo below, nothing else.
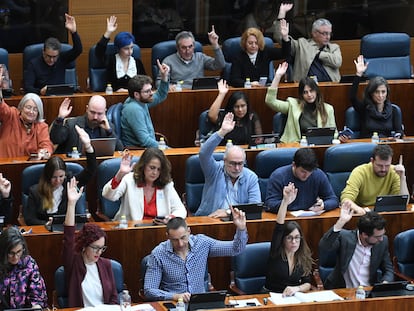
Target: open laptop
(103, 146)
(263, 141)
(207, 300)
(206, 83)
(60, 89)
(320, 135)
(58, 220)
(397, 288)
(252, 210)
(391, 203)
(350, 79)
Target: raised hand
(70, 23)
(65, 108)
(360, 65)
(213, 37)
(227, 125)
(284, 29)
(222, 86)
(239, 218)
(284, 8)
(289, 193)
(281, 69)
(126, 166)
(5, 186)
(73, 192)
(85, 139)
(111, 25)
(399, 168)
(164, 70)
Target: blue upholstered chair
(194, 181)
(248, 269)
(4, 57)
(231, 48)
(114, 115)
(162, 49)
(279, 123)
(326, 263)
(388, 55)
(97, 68)
(31, 175)
(340, 160)
(269, 160)
(204, 125)
(105, 172)
(35, 50)
(404, 255)
(62, 291)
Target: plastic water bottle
(375, 138)
(123, 223)
(247, 83)
(109, 90)
(125, 300)
(303, 142)
(161, 144)
(75, 153)
(360, 292)
(180, 305)
(178, 86)
(229, 144)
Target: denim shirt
(215, 186)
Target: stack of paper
(315, 296)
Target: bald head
(96, 110)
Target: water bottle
(75, 153)
(375, 138)
(178, 86)
(109, 90)
(303, 142)
(247, 83)
(360, 292)
(125, 300)
(161, 144)
(123, 223)
(229, 144)
(180, 305)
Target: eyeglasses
(290, 238)
(98, 249)
(30, 108)
(324, 33)
(235, 164)
(19, 253)
(146, 91)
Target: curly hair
(87, 235)
(252, 32)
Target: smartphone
(262, 81)
(347, 132)
(33, 157)
(169, 305)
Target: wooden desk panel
(129, 246)
(178, 116)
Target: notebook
(207, 300)
(397, 288)
(206, 83)
(103, 146)
(320, 135)
(60, 89)
(58, 220)
(252, 210)
(264, 141)
(391, 203)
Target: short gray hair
(38, 102)
(320, 22)
(183, 35)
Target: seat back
(4, 57)
(231, 49)
(194, 181)
(404, 252)
(353, 121)
(279, 123)
(97, 67)
(327, 262)
(114, 114)
(204, 124)
(62, 291)
(31, 176)
(34, 50)
(162, 49)
(340, 160)
(250, 267)
(388, 55)
(105, 172)
(269, 160)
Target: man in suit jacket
(360, 252)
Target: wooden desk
(129, 246)
(178, 116)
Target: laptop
(397, 288)
(391, 203)
(320, 135)
(58, 220)
(103, 146)
(350, 79)
(263, 141)
(206, 83)
(25, 309)
(253, 211)
(60, 89)
(207, 300)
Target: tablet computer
(391, 203)
(206, 83)
(60, 89)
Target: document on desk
(303, 213)
(140, 307)
(315, 296)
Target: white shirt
(92, 292)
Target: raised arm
(214, 110)
(289, 195)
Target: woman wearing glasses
(290, 261)
(21, 285)
(90, 280)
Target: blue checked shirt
(168, 274)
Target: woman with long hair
(309, 110)
(48, 197)
(146, 189)
(21, 285)
(290, 260)
(247, 121)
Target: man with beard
(94, 122)
(360, 253)
(378, 177)
(136, 123)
